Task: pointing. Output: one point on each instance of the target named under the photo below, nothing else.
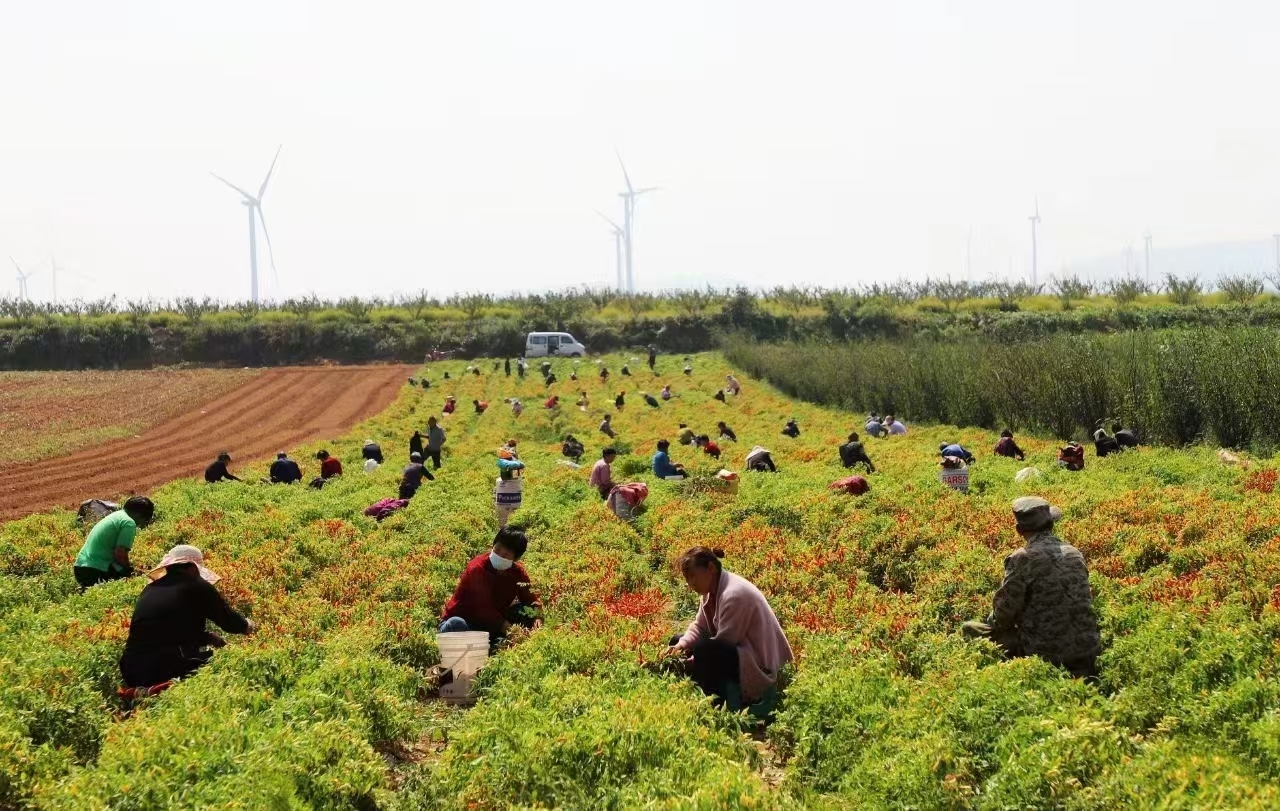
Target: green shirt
(99, 550)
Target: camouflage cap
(1033, 512)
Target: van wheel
(576, 355)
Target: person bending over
(217, 470)
(284, 470)
(105, 553)
(168, 637)
(852, 454)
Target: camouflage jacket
(1045, 603)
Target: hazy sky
(462, 146)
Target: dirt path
(275, 411)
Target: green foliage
(329, 705)
(1183, 292)
(1240, 289)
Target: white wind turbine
(1035, 220)
(254, 205)
(22, 280)
(618, 235)
(628, 217)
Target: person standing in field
(602, 472)
(217, 470)
(435, 442)
(415, 443)
(893, 427)
(520, 366)
(105, 553)
(506, 367)
(653, 358)
(284, 470)
(1008, 448)
(168, 637)
(494, 592)
(852, 454)
(1044, 606)
(735, 648)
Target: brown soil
(277, 410)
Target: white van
(560, 344)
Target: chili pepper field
(329, 704)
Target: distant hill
(1209, 261)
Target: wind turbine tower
(618, 235)
(1146, 241)
(1035, 220)
(628, 218)
(22, 280)
(254, 205)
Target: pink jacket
(742, 617)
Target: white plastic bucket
(463, 652)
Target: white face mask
(499, 562)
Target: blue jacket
(662, 465)
(954, 449)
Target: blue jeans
(454, 625)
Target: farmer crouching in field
(1125, 438)
(663, 467)
(371, 450)
(1044, 606)
(1104, 444)
(217, 470)
(735, 646)
(852, 454)
(494, 592)
(284, 470)
(955, 450)
(167, 635)
(1007, 447)
(105, 554)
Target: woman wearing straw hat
(167, 635)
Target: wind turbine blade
(625, 176)
(266, 179)
(616, 227)
(16, 265)
(246, 194)
(270, 251)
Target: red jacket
(484, 594)
(330, 467)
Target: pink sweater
(741, 616)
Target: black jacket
(285, 471)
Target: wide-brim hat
(184, 553)
(1033, 512)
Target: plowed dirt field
(276, 410)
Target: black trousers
(154, 667)
(88, 578)
(714, 663)
(433, 455)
